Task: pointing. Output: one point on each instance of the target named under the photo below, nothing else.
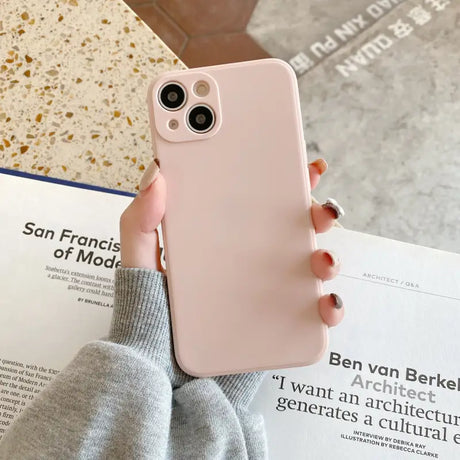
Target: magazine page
(396, 345)
(388, 386)
(59, 247)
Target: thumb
(138, 223)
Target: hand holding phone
(140, 242)
(237, 230)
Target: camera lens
(200, 118)
(172, 96)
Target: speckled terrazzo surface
(73, 82)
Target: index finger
(315, 170)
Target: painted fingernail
(332, 258)
(332, 204)
(149, 176)
(320, 165)
(338, 303)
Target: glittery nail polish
(334, 206)
(338, 303)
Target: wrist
(141, 313)
(240, 389)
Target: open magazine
(388, 386)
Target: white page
(402, 311)
(43, 323)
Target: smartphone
(237, 230)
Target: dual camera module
(173, 96)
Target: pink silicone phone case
(237, 231)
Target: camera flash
(173, 124)
(201, 88)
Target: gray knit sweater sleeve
(124, 397)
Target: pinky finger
(331, 309)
